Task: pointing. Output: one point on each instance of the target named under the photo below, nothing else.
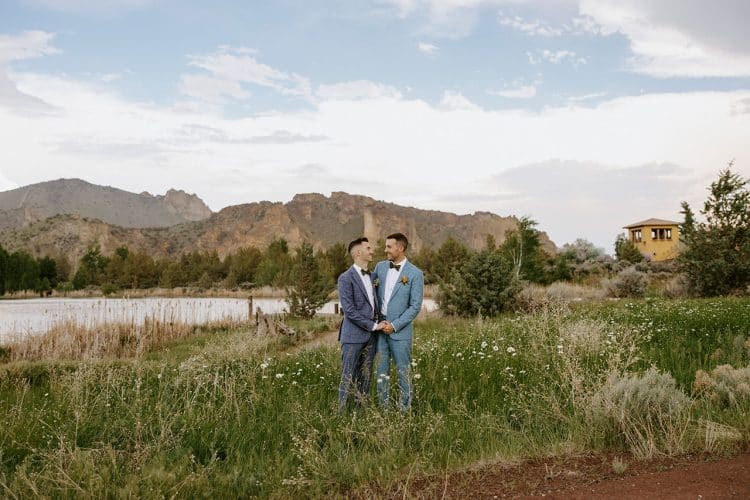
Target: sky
(585, 115)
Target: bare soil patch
(593, 477)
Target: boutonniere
(404, 280)
(376, 282)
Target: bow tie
(364, 272)
(397, 267)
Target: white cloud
(555, 57)
(535, 27)
(447, 18)
(360, 89)
(579, 199)
(230, 67)
(671, 38)
(455, 101)
(211, 89)
(427, 48)
(104, 138)
(588, 97)
(27, 45)
(517, 90)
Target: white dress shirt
(390, 283)
(368, 287)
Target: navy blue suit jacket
(359, 317)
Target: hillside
(315, 218)
(36, 202)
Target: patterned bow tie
(364, 272)
(397, 267)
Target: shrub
(677, 287)
(485, 284)
(648, 412)
(628, 283)
(534, 297)
(724, 386)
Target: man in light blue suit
(400, 286)
(358, 329)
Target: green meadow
(225, 413)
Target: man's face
(366, 251)
(393, 250)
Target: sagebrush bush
(647, 412)
(677, 287)
(724, 386)
(534, 297)
(628, 283)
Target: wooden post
(336, 308)
(250, 308)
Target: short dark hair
(400, 237)
(356, 242)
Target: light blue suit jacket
(406, 299)
(358, 313)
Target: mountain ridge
(309, 217)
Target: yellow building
(656, 238)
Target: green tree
(334, 261)
(451, 254)
(716, 254)
(426, 260)
(242, 265)
(3, 269)
(91, 269)
(310, 287)
(22, 272)
(275, 267)
(626, 251)
(523, 247)
(48, 271)
(486, 283)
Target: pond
(19, 318)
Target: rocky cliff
(314, 218)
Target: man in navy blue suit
(358, 329)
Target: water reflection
(32, 316)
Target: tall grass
(240, 415)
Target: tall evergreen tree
(716, 253)
(310, 287)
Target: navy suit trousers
(356, 372)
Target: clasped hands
(385, 326)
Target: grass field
(224, 413)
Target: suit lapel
(358, 280)
(399, 285)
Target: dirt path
(594, 477)
(327, 339)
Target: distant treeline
(251, 267)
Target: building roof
(652, 222)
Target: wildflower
(417, 376)
(294, 382)
(413, 363)
(495, 348)
(158, 376)
(264, 376)
(279, 375)
(263, 366)
(484, 344)
(510, 350)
